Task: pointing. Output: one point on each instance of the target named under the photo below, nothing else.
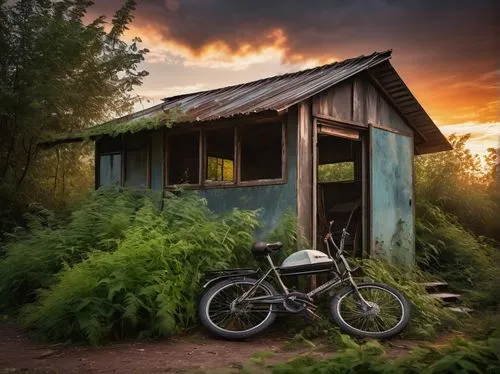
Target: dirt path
(189, 353)
(193, 353)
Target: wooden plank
(434, 284)
(304, 170)
(445, 296)
(339, 132)
(314, 186)
(371, 104)
(358, 101)
(338, 122)
(398, 108)
(335, 102)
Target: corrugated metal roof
(280, 92)
(275, 93)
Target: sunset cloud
(446, 51)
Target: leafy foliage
(337, 172)
(34, 254)
(149, 284)
(459, 357)
(58, 72)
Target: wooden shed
(332, 142)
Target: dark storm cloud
(329, 27)
(449, 50)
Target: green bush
(34, 254)
(459, 357)
(149, 285)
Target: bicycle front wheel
(223, 316)
(386, 315)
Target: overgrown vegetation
(428, 315)
(460, 356)
(140, 276)
(33, 255)
(457, 223)
(469, 263)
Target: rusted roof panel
(275, 93)
(280, 92)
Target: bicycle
(237, 304)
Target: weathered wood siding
(391, 180)
(335, 102)
(274, 200)
(358, 101)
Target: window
(183, 160)
(110, 169)
(136, 161)
(220, 155)
(261, 151)
(336, 172)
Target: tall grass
(470, 263)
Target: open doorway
(340, 189)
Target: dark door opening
(339, 183)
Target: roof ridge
(284, 75)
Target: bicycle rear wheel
(387, 315)
(224, 318)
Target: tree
(58, 73)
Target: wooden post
(305, 172)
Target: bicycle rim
(386, 313)
(222, 311)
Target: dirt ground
(191, 353)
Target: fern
(147, 286)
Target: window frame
(126, 148)
(122, 151)
(237, 182)
(98, 169)
(204, 157)
(166, 157)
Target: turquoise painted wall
(157, 160)
(392, 218)
(274, 200)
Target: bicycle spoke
(225, 312)
(385, 310)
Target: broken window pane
(110, 169)
(183, 160)
(336, 172)
(220, 155)
(261, 151)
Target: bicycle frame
(339, 276)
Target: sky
(447, 52)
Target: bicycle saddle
(262, 248)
